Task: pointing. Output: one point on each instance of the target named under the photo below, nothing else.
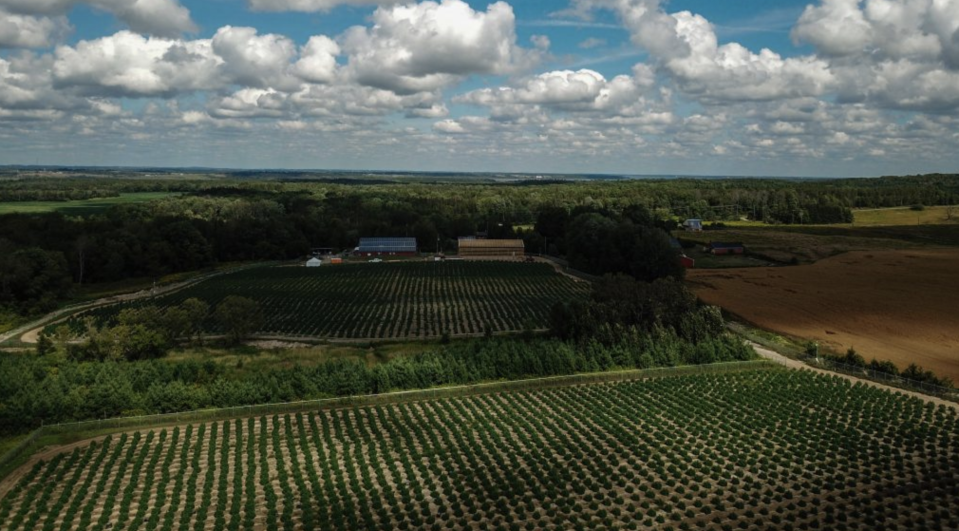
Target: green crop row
(752, 450)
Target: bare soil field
(896, 305)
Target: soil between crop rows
(755, 450)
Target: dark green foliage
(621, 305)
(33, 388)
(238, 317)
(600, 245)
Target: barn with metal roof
(387, 247)
(490, 248)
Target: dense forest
(215, 221)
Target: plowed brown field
(901, 306)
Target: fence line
(883, 377)
(18, 450)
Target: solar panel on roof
(387, 245)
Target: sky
(636, 87)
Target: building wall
(385, 253)
(492, 251)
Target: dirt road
(29, 332)
(794, 364)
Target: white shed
(314, 262)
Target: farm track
(798, 365)
(765, 448)
(29, 332)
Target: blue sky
(773, 87)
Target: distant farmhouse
(491, 248)
(693, 225)
(720, 248)
(314, 262)
(386, 247)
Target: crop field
(84, 207)
(767, 449)
(389, 300)
(898, 306)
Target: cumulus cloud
(166, 18)
(317, 62)
(897, 54)
(128, 64)
(252, 60)
(582, 90)
(131, 65)
(26, 31)
(427, 46)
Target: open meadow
(889, 305)
(84, 207)
(761, 449)
(385, 300)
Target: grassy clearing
(905, 216)
(806, 244)
(84, 207)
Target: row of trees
(35, 389)
(148, 332)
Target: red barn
(687, 262)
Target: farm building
(720, 248)
(488, 248)
(687, 262)
(693, 225)
(386, 247)
(314, 262)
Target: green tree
(196, 312)
(45, 344)
(239, 317)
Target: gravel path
(795, 364)
(28, 333)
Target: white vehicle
(376, 260)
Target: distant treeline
(602, 227)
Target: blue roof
(387, 245)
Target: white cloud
(317, 62)
(26, 31)
(591, 43)
(309, 6)
(166, 18)
(837, 27)
(582, 90)
(427, 46)
(898, 54)
(252, 60)
(128, 64)
(449, 127)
